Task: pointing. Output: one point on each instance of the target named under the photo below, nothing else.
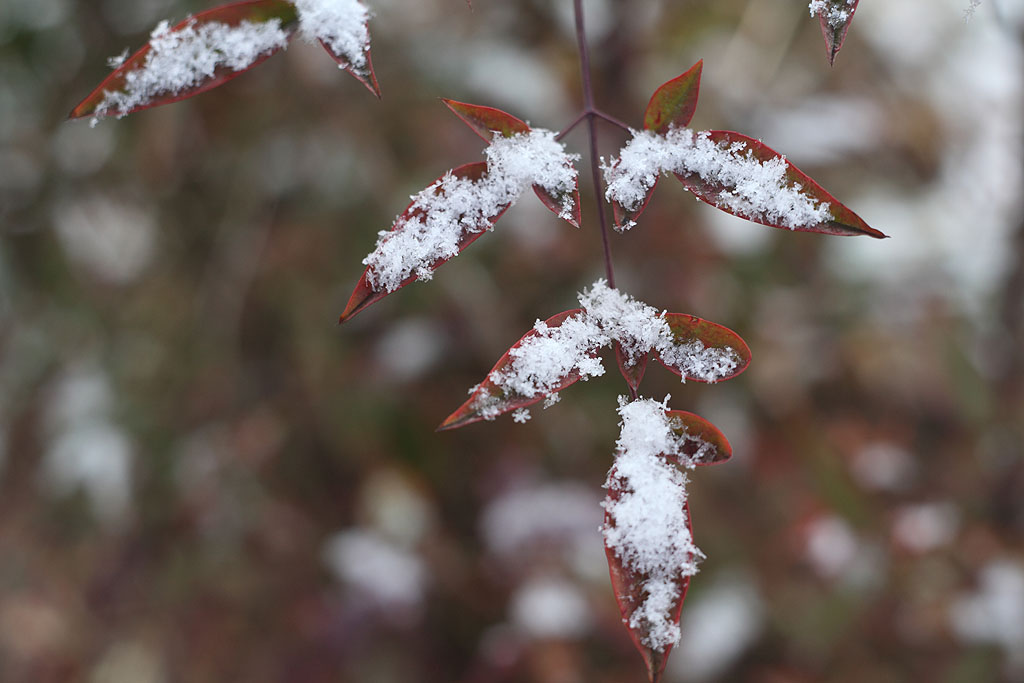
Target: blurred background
(204, 478)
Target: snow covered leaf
(632, 369)
(194, 56)
(555, 354)
(631, 593)
(701, 443)
(368, 291)
(647, 533)
(363, 74)
(835, 17)
(745, 177)
(624, 218)
(674, 103)
(340, 26)
(702, 350)
(485, 122)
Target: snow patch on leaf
(181, 59)
(340, 24)
(754, 189)
(647, 526)
(442, 214)
(835, 12)
(640, 329)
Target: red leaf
(632, 372)
(255, 11)
(842, 220)
(489, 400)
(624, 218)
(365, 294)
(704, 443)
(629, 594)
(713, 340)
(556, 203)
(364, 75)
(674, 103)
(486, 121)
(835, 17)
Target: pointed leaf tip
(807, 206)
(489, 399)
(834, 17)
(366, 293)
(674, 103)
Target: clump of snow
(640, 329)
(543, 360)
(646, 525)
(834, 11)
(753, 189)
(452, 208)
(340, 24)
(185, 58)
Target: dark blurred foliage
(203, 478)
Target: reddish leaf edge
(707, 331)
(486, 121)
(366, 76)
(845, 222)
(467, 413)
(655, 661)
(364, 295)
(88, 105)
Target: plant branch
(590, 113)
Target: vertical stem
(591, 113)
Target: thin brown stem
(590, 113)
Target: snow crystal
(340, 24)
(521, 416)
(756, 190)
(181, 59)
(442, 215)
(833, 10)
(647, 526)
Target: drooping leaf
(252, 11)
(632, 370)
(556, 203)
(490, 400)
(625, 218)
(674, 103)
(364, 74)
(486, 121)
(703, 442)
(366, 294)
(630, 588)
(835, 17)
(840, 219)
(704, 351)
